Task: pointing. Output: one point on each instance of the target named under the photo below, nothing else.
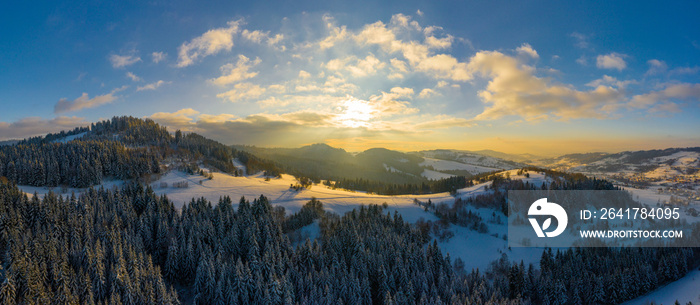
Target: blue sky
(537, 77)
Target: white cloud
(685, 70)
(526, 49)
(683, 91)
(419, 13)
(133, 77)
(581, 40)
(439, 43)
(610, 81)
(656, 67)
(234, 73)
(210, 43)
(611, 61)
(84, 101)
(158, 56)
(304, 75)
(181, 119)
(357, 67)
(242, 91)
(402, 91)
(120, 61)
(426, 93)
(152, 86)
(254, 36)
(514, 90)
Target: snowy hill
(486, 159)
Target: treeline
(131, 246)
(74, 164)
(451, 184)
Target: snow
(441, 165)
(70, 138)
(662, 171)
(278, 192)
(41, 191)
(311, 231)
(239, 166)
(434, 175)
(681, 157)
(478, 250)
(685, 290)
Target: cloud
(683, 91)
(34, 126)
(180, 119)
(84, 101)
(439, 43)
(357, 67)
(514, 90)
(133, 77)
(242, 91)
(611, 61)
(445, 121)
(152, 86)
(210, 43)
(656, 67)
(685, 70)
(581, 40)
(418, 55)
(234, 73)
(610, 81)
(526, 49)
(289, 129)
(120, 61)
(582, 60)
(261, 37)
(254, 36)
(426, 93)
(158, 56)
(304, 75)
(419, 13)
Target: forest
(131, 246)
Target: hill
(119, 148)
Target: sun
(355, 113)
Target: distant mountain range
(651, 163)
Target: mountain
(323, 162)
(679, 164)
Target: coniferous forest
(130, 246)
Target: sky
(539, 77)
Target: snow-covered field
(434, 175)
(684, 290)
